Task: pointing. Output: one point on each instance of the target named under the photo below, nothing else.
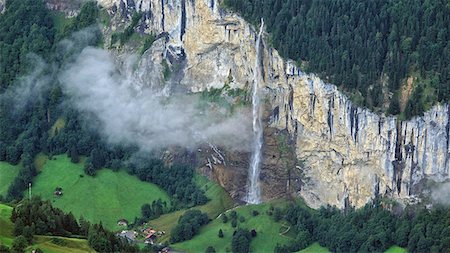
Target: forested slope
(33, 104)
(369, 48)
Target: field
(396, 249)
(56, 244)
(314, 248)
(219, 202)
(269, 232)
(107, 197)
(6, 226)
(7, 174)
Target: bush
(234, 223)
(19, 244)
(240, 242)
(233, 214)
(224, 218)
(210, 249)
(277, 214)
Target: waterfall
(254, 192)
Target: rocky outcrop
(70, 8)
(345, 154)
(2, 6)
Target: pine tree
(210, 249)
(74, 157)
(224, 218)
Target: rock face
(69, 7)
(2, 6)
(351, 154)
(345, 155)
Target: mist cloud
(29, 88)
(441, 193)
(99, 86)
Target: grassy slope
(219, 202)
(6, 226)
(42, 242)
(71, 245)
(268, 232)
(107, 197)
(314, 248)
(396, 249)
(39, 161)
(7, 174)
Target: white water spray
(254, 192)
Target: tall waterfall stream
(254, 191)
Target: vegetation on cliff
(368, 48)
(31, 123)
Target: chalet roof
(150, 234)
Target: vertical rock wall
(345, 154)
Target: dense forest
(370, 229)
(188, 226)
(368, 48)
(32, 101)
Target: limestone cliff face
(346, 155)
(69, 7)
(350, 153)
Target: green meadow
(6, 226)
(396, 249)
(219, 201)
(56, 244)
(106, 198)
(315, 248)
(7, 174)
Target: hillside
(367, 48)
(7, 174)
(48, 244)
(267, 238)
(107, 197)
(7, 227)
(219, 202)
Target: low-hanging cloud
(29, 88)
(441, 194)
(99, 86)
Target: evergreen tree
(19, 244)
(224, 218)
(74, 156)
(210, 249)
(240, 242)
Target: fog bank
(106, 90)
